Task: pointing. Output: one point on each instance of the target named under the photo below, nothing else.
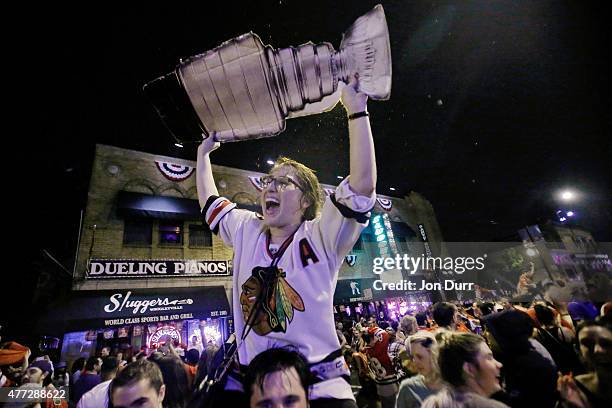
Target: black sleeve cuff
(346, 212)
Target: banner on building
(174, 172)
(256, 181)
(385, 204)
(132, 268)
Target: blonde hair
(309, 184)
(428, 341)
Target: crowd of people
(483, 355)
(448, 355)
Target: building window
(171, 233)
(199, 236)
(137, 232)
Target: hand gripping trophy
(245, 90)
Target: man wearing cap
(38, 376)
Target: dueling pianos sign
(151, 268)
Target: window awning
(91, 310)
(130, 204)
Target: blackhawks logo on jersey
(278, 300)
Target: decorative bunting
(256, 182)
(174, 172)
(385, 203)
(329, 191)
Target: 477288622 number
(32, 395)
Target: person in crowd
(192, 357)
(471, 372)
(422, 322)
(445, 315)
(38, 377)
(278, 378)
(408, 326)
(530, 378)
(97, 397)
(593, 389)
(558, 340)
(204, 364)
(88, 379)
(486, 308)
(14, 360)
(105, 351)
(139, 384)
(340, 334)
(109, 368)
(288, 246)
(525, 282)
(195, 344)
(175, 379)
(414, 390)
(61, 377)
(121, 361)
(581, 308)
(76, 369)
(367, 396)
(395, 326)
(395, 348)
(377, 341)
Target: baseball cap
(43, 365)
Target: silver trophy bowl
(244, 89)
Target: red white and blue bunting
(385, 203)
(174, 172)
(256, 181)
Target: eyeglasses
(281, 182)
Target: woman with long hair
(414, 390)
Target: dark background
(495, 106)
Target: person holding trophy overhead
(286, 263)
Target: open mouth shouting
(272, 206)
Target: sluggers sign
(131, 268)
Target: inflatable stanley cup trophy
(245, 90)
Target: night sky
(495, 105)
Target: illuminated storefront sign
(131, 269)
(164, 334)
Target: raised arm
(362, 156)
(204, 176)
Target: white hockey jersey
(300, 313)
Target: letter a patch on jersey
(307, 253)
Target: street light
(568, 195)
